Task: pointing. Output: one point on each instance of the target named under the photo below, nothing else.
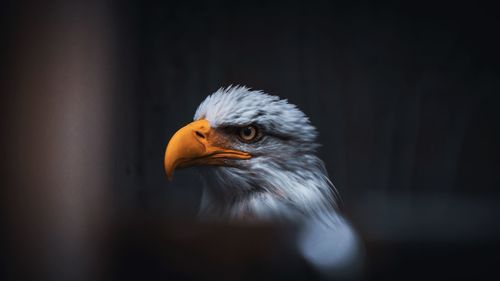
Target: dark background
(404, 95)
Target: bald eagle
(257, 157)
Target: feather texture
(283, 181)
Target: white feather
(284, 181)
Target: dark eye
(248, 133)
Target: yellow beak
(197, 144)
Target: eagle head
(256, 155)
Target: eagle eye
(248, 133)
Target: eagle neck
(288, 195)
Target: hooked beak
(197, 144)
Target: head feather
(239, 105)
(285, 179)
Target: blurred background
(404, 95)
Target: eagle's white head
(257, 157)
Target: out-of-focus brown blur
(57, 108)
(404, 98)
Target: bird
(257, 157)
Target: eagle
(256, 154)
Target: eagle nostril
(199, 134)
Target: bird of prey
(257, 156)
